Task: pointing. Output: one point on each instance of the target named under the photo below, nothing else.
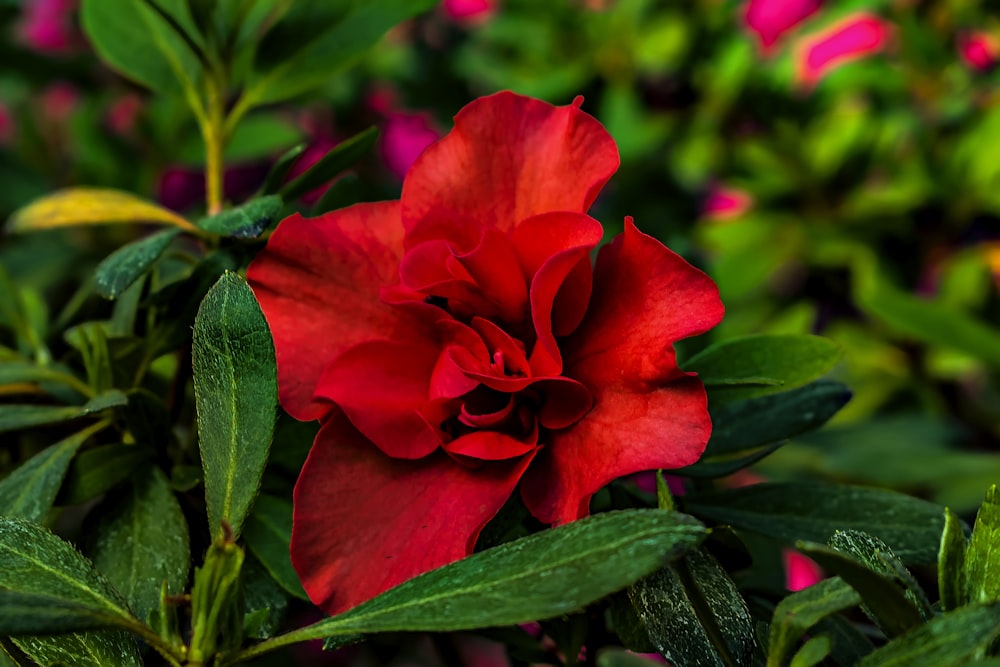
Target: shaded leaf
(39, 614)
(28, 492)
(268, 533)
(141, 541)
(340, 157)
(99, 470)
(247, 221)
(15, 416)
(276, 176)
(813, 511)
(800, 611)
(124, 266)
(951, 563)
(812, 652)
(236, 391)
(982, 559)
(16, 372)
(91, 206)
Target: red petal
(489, 446)
(645, 298)
(646, 414)
(318, 283)
(508, 158)
(364, 522)
(383, 388)
(625, 433)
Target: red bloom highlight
(852, 38)
(459, 342)
(979, 50)
(770, 19)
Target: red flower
(855, 36)
(458, 342)
(979, 50)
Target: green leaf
(133, 39)
(247, 221)
(812, 652)
(179, 13)
(813, 511)
(332, 50)
(92, 206)
(28, 492)
(268, 533)
(884, 597)
(142, 541)
(982, 560)
(547, 574)
(616, 657)
(99, 470)
(124, 266)
(691, 610)
(800, 611)
(34, 561)
(774, 363)
(236, 392)
(747, 424)
(951, 563)
(344, 192)
(17, 372)
(265, 601)
(38, 614)
(283, 165)
(949, 640)
(14, 416)
(340, 157)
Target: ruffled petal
(318, 283)
(355, 509)
(645, 298)
(625, 433)
(647, 414)
(551, 159)
(383, 388)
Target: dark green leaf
(14, 416)
(720, 466)
(849, 643)
(812, 652)
(345, 191)
(179, 14)
(982, 560)
(265, 601)
(124, 266)
(16, 372)
(951, 563)
(280, 170)
(38, 614)
(547, 574)
(884, 597)
(28, 492)
(99, 470)
(236, 392)
(616, 657)
(247, 221)
(332, 50)
(341, 157)
(747, 424)
(691, 609)
(813, 511)
(949, 640)
(773, 363)
(134, 39)
(800, 611)
(33, 560)
(268, 532)
(141, 541)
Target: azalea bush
(468, 333)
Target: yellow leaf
(91, 206)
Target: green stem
(215, 135)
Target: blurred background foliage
(832, 165)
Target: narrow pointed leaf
(268, 533)
(280, 170)
(82, 649)
(772, 363)
(982, 560)
(28, 492)
(951, 563)
(236, 391)
(142, 541)
(951, 639)
(813, 511)
(39, 614)
(124, 266)
(99, 470)
(812, 652)
(91, 206)
(800, 611)
(247, 221)
(15, 416)
(547, 574)
(341, 157)
(17, 372)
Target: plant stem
(215, 135)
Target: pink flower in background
(979, 50)
(59, 101)
(6, 125)
(404, 137)
(800, 571)
(46, 26)
(122, 114)
(770, 19)
(724, 203)
(855, 36)
(313, 153)
(469, 11)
